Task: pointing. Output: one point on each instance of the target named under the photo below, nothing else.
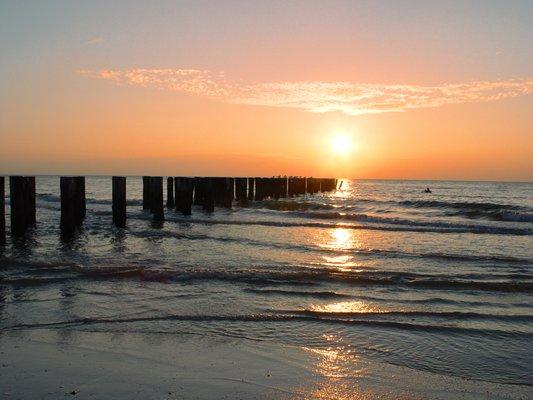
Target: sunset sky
(396, 89)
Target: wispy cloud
(95, 40)
(317, 96)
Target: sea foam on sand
(52, 364)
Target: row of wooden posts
(182, 193)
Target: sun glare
(341, 144)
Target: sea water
(440, 282)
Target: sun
(341, 144)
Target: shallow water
(439, 282)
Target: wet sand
(52, 364)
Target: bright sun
(341, 144)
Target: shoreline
(48, 364)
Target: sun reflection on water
(342, 240)
(355, 306)
(338, 369)
(346, 190)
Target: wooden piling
(240, 190)
(229, 192)
(197, 194)
(2, 210)
(73, 208)
(259, 186)
(80, 199)
(170, 192)
(282, 185)
(301, 186)
(251, 189)
(146, 193)
(208, 189)
(30, 205)
(275, 188)
(22, 203)
(219, 188)
(292, 184)
(16, 201)
(184, 194)
(313, 185)
(67, 193)
(119, 201)
(156, 196)
(296, 186)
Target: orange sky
(97, 96)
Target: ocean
(437, 282)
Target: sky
(358, 89)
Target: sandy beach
(50, 364)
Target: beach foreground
(52, 364)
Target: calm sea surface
(439, 282)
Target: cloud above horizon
(95, 40)
(316, 96)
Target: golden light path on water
(337, 366)
(337, 370)
(341, 238)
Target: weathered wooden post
(184, 192)
(275, 189)
(240, 190)
(73, 207)
(291, 186)
(81, 205)
(16, 201)
(119, 201)
(229, 192)
(208, 188)
(156, 195)
(264, 188)
(272, 188)
(170, 192)
(312, 186)
(30, 201)
(251, 189)
(197, 195)
(284, 184)
(67, 190)
(219, 189)
(2, 210)
(146, 193)
(332, 184)
(22, 201)
(259, 189)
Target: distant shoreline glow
(317, 96)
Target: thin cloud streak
(95, 40)
(317, 96)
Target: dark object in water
(2, 211)
(156, 198)
(183, 188)
(170, 192)
(428, 190)
(119, 201)
(146, 192)
(73, 208)
(22, 203)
